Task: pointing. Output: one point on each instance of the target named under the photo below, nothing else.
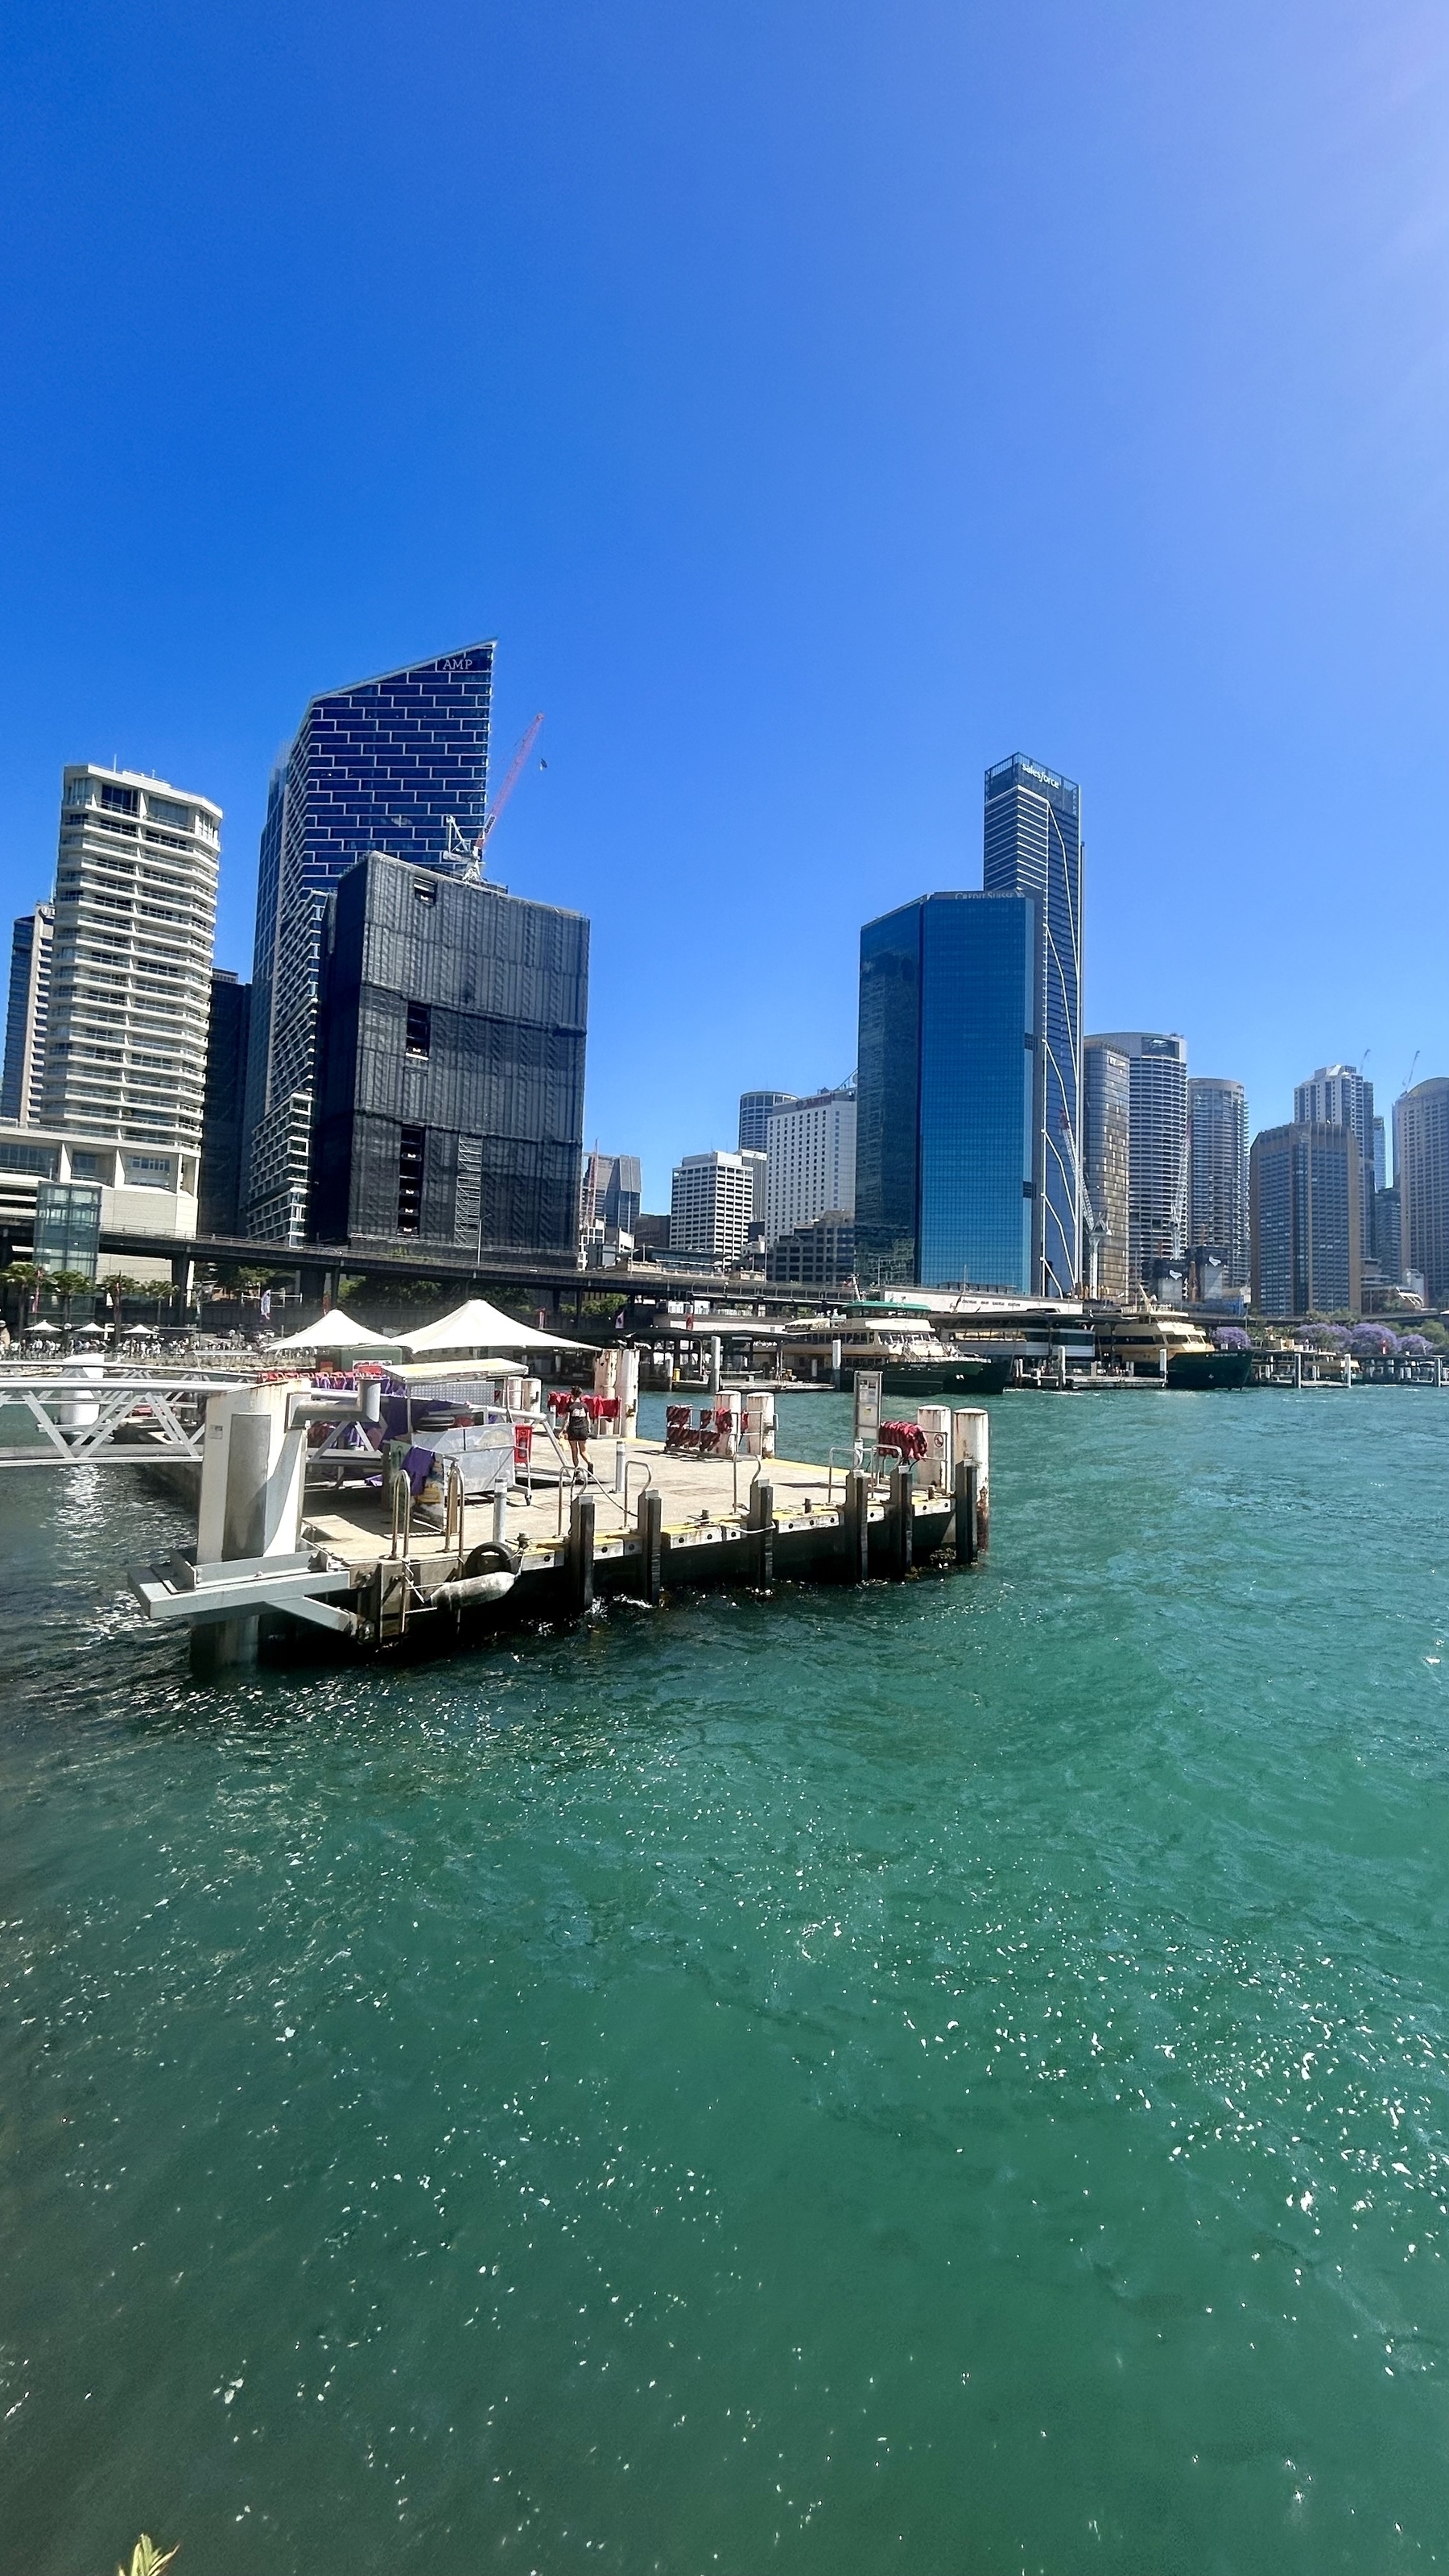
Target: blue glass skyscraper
(1033, 845)
(948, 1107)
(386, 765)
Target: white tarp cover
(480, 1327)
(337, 1332)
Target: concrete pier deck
(688, 1521)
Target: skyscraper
(1338, 1096)
(130, 982)
(1033, 846)
(810, 1162)
(1421, 1177)
(219, 1189)
(948, 1117)
(612, 1194)
(1106, 1170)
(1217, 1154)
(25, 1018)
(450, 1064)
(1157, 1182)
(755, 1111)
(398, 764)
(711, 1206)
(1305, 1218)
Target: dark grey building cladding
(450, 1079)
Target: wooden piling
(762, 1521)
(903, 1481)
(651, 1543)
(965, 1497)
(857, 1525)
(581, 1555)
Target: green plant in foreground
(147, 2559)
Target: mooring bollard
(651, 1543)
(762, 1520)
(581, 1555)
(903, 1481)
(965, 1497)
(856, 1518)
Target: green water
(951, 2078)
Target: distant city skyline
(782, 607)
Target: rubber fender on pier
(489, 1574)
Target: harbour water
(949, 2078)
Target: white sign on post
(867, 1411)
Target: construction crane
(475, 852)
(1409, 1076)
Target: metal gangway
(84, 1415)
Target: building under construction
(450, 1070)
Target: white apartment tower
(712, 1205)
(130, 989)
(810, 1154)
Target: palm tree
(24, 1276)
(67, 1285)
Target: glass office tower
(29, 1004)
(1305, 1219)
(1421, 1177)
(1336, 1095)
(948, 1112)
(1217, 1164)
(755, 1112)
(1033, 846)
(387, 765)
(1106, 1170)
(1157, 1156)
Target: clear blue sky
(818, 401)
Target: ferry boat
(1137, 1344)
(906, 1348)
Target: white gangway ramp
(94, 1417)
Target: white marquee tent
(477, 1326)
(335, 1331)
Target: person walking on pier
(576, 1430)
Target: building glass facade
(1305, 1220)
(1157, 1186)
(613, 1194)
(389, 764)
(1337, 1095)
(755, 1111)
(26, 1014)
(1217, 1223)
(1106, 1169)
(1033, 846)
(450, 1065)
(1421, 1177)
(67, 1227)
(225, 1101)
(948, 1096)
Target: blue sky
(818, 401)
